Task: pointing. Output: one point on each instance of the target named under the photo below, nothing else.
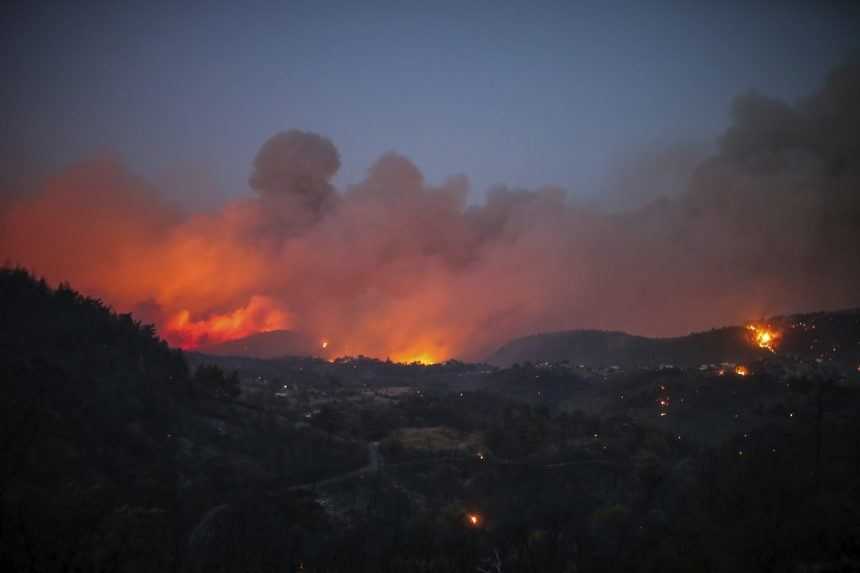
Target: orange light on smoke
(259, 315)
(425, 358)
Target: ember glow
(418, 357)
(764, 336)
(259, 315)
(741, 370)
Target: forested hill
(80, 333)
(112, 451)
(86, 408)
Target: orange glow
(741, 370)
(391, 266)
(260, 315)
(425, 358)
(473, 518)
(764, 336)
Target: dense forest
(120, 453)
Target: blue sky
(526, 94)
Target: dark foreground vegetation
(122, 454)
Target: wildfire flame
(741, 370)
(764, 336)
(473, 518)
(261, 314)
(419, 357)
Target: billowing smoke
(394, 266)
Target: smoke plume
(394, 266)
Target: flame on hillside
(764, 336)
(416, 357)
(261, 314)
(422, 358)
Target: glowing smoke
(394, 266)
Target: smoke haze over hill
(397, 266)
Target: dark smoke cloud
(397, 267)
(783, 194)
(298, 165)
(393, 178)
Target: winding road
(374, 464)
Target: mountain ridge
(599, 348)
(271, 344)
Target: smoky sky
(420, 202)
(524, 94)
(397, 266)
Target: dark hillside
(112, 453)
(117, 456)
(599, 349)
(272, 344)
(831, 336)
(87, 417)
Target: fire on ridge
(764, 336)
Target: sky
(525, 94)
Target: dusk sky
(527, 94)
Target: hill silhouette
(274, 344)
(822, 335)
(88, 414)
(111, 449)
(597, 348)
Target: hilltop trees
(88, 413)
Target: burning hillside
(259, 315)
(764, 336)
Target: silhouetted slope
(274, 344)
(111, 451)
(825, 335)
(600, 348)
(86, 409)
